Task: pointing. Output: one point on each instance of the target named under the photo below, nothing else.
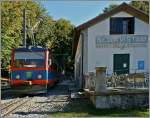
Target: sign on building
(121, 41)
(141, 65)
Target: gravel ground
(6, 100)
(57, 102)
(41, 106)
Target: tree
(109, 8)
(11, 25)
(43, 34)
(57, 36)
(59, 41)
(141, 5)
(54, 35)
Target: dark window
(120, 25)
(20, 63)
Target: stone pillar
(100, 79)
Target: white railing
(134, 80)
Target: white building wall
(78, 57)
(77, 65)
(141, 28)
(104, 56)
(121, 14)
(85, 51)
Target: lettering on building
(123, 41)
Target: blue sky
(77, 11)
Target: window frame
(130, 31)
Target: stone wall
(121, 93)
(121, 100)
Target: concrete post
(100, 79)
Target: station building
(117, 40)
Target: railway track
(8, 108)
(55, 100)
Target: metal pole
(24, 28)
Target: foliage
(57, 38)
(110, 7)
(11, 25)
(141, 5)
(54, 35)
(63, 41)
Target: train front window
(29, 59)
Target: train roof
(35, 48)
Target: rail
(8, 108)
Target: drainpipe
(82, 58)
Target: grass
(86, 109)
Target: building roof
(123, 7)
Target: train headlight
(17, 76)
(39, 76)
